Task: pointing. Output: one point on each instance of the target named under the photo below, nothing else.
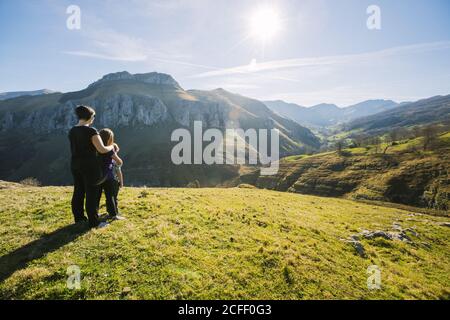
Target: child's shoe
(117, 217)
(102, 225)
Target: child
(113, 178)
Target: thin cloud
(108, 44)
(105, 56)
(325, 61)
(216, 69)
(231, 86)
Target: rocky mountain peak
(220, 90)
(150, 78)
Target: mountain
(143, 110)
(303, 115)
(286, 109)
(324, 115)
(327, 114)
(367, 108)
(15, 94)
(422, 112)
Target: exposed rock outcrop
(399, 234)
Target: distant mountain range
(422, 112)
(15, 94)
(325, 115)
(143, 110)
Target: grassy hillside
(404, 174)
(218, 243)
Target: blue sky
(321, 52)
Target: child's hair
(84, 112)
(107, 136)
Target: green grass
(295, 158)
(405, 145)
(400, 146)
(304, 156)
(445, 137)
(357, 151)
(342, 135)
(216, 244)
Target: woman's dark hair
(106, 135)
(84, 112)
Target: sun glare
(265, 23)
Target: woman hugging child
(112, 175)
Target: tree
(339, 147)
(417, 131)
(429, 133)
(359, 140)
(376, 141)
(403, 133)
(394, 135)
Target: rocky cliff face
(45, 120)
(122, 110)
(126, 100)
(115, 111)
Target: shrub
(246, 186)
(32, 182)
(193, 184)
(288, 276)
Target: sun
(265, 23)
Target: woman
(85, 145)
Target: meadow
(235, 243)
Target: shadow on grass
(19, 259)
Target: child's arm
(119, 163)
(117, 159)
(120, 176)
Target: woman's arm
(98, 144)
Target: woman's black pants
(85, 189)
